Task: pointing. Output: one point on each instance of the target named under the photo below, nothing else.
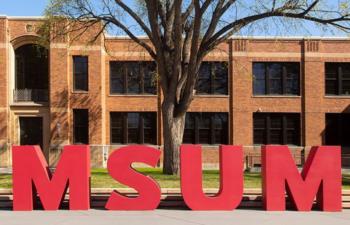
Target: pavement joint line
(180, 219)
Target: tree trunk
(173, 129)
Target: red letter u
(231, 178)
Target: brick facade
(240, 103)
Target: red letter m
(31, 174)
(320, 178)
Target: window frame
(87, 126)
(341, 120)
(283, 128)
(141, 127)
(338, 78)
(283, 78)
(212, 128)
(86, 83)
(142, 66)
(213, 65)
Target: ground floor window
(81, 126)
(206, 128)
(337, 129)
(276, 128)
(31, 131)
(133, 128)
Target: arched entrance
(31, 74)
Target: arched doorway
(31, 74)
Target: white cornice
(23, 17)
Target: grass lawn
(101, 179)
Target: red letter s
(119, 167)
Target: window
(276, 78)
(212, 78)
(206, 128)
(81, 126)
(133, 78)
(337, 129)
(80, 73)
(337, 78)
(136, 128)
(277, 128)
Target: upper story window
(337, 78)
(133, 78)
(277, 128)
(81, 126)
(206, 128)
(276, 78)
(80, 73)
(133, 128)
(213, 78)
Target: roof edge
(293, 38)
(23, 17)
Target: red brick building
(251, 91)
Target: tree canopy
(180, 33)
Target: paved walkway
(173, 217)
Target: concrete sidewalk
(173, 217)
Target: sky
(36, 8)
(22, 7)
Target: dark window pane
(150, 128)
(276, 122)
(278, 78)
(150, 79)
(275, 86)
(292, 78)
(80, 73)
(276, 128)
(331, 87)
(337, 129)
(345, 132)
(346, 70)
(127, 128)
(259, 71)
(220, 128)
(276, 136)
(331, 70)
(117, 78)
(189, 133)
(134, 78)
(292, 87)
(337, 78)
(204, 79)
(346, 87)
(117, 124)
(259, 78)
(292, 136)
(133, 128)
(292, 122)
(209, 128)
(275, 70)
(212, 78)
(32, 63)
(81, 126)
(259, 122)
(220, 78)
(259, 136)
(204, 128)
(259, 87)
